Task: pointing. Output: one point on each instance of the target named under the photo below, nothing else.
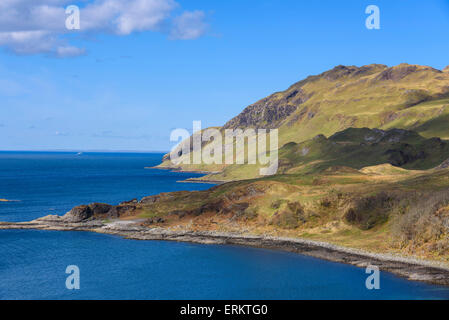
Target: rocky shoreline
(192, 180)
(195, 180)
(178, 169)
(411, 269)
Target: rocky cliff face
(271, 112)
(268, 113)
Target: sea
(34, 263)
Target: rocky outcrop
(100, 208)
(401, 71)
(130, 202)
(267, 114)
(98, 211)
(78, 214)
(150, 199)
(443, 165)
(396, 73)
(151, 221)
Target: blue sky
(128, 91)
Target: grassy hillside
(363, 162)
(357, 148)
(354, 148)
(378, 208)
(375, 96)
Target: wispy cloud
(61, 134)
(38, 26)
(189, 25)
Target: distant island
(363, 178)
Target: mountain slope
(370, 96)
(406, 96)
(353, 148)
(358, 148)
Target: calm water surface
(33, 263)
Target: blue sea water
(52, 183)
(33, 263)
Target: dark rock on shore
(133, 201)
(98, 211)
(100, 208)
(152, 221)
(150, 199)
(78, 214)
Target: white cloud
(28, 42)
(69, 51)
(189, 25)
(124, 17)
(38, 26)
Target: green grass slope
(406, 96)
(352, 148)
(358, 148)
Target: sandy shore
(411, 269)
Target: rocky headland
(108, 219)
